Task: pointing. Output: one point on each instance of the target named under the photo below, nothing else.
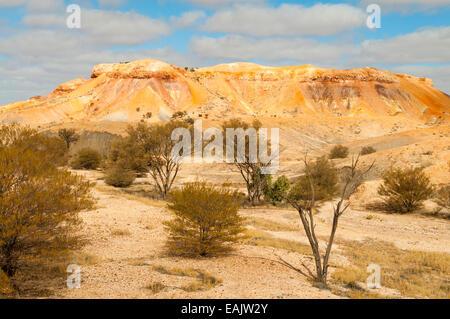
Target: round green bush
(87, 158)
(119, 177)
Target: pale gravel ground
(124, 266)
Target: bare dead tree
(305, 209)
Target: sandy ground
(124, 263)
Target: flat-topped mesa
(141, 69)
(302, 73)
(144, 89)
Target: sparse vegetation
(204, 281)
(366, 150)
(339, 151)
(69, 136)
(87, 158)
(150, 148)
(404, 190)
(305, 206)
(277, 191)
(251, 171)
(120, 232)
(414, 274)
(119, 177)
(206, 220)
(39, 203)
(442, 197)
(324, 178)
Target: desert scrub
(87, 158)
(264, 239)
(276, 192)
(339, 151)
(366, 150)
(120, 178)
(206, 220)
(415, 274)
(120, 232)
(324, 177)
(156, 287)
(442, 197)
(404, 190)
(39, 202)
(205, 281)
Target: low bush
(119, 177)
(339, 151)
(87, 158)
(206, 220)
(404, 190)
(366, 150)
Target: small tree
(250, 171)
(151, 146)
(277, 191)
(404, 190)
(69, 136)
(206, 220)
(339, 151)
(305, 201)
(366, 150)
(119, 177)
(39, 203)
(87, 158)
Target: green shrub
(206, 220)
(87, 158)
(339, 151)
(277, 191)
(366, 150)
(119, 177)
(324, 177)
(404, 190)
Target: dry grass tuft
(265, 224)
(204, 280)
(415, 274)
(263, 239)
(120, 232)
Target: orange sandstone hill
(153, 90)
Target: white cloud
(406, 5)
(301, 50)
(429, 45)
(111, 3)
(43, 20)
(187, 19)
(318, 20)
(122, 28)
(222, 3)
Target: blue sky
(38, 51)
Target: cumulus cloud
(222, 3)
(302, 50)
(187, 19)
(407, 5)
(111, 3)
(287, 19)
(428, 45)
